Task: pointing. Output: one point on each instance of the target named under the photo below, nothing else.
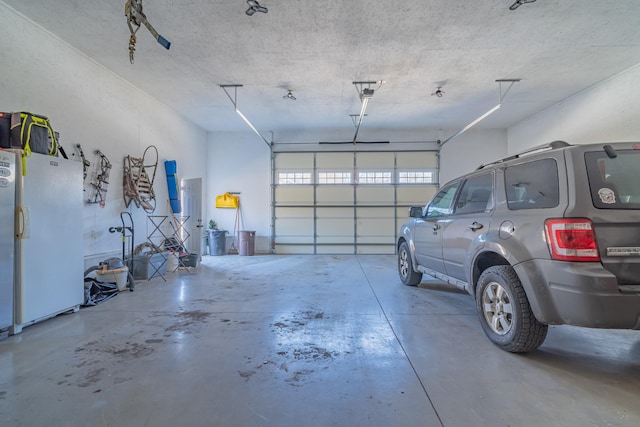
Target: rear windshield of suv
(614, 183)
(532, 185)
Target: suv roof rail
(550, 146)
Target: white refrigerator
(7, 211)
(48, 245)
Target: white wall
(240, 163)
(473, 148)
(607, 112)
(89, 105)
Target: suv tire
(505, 313)
(408, 275)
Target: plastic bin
(247, 242)
(117, 276)
(189, 260)
(217, 242)
(144, 266)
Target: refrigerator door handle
(20, 222)
(23, 214)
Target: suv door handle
(436, 227)
(475, 226)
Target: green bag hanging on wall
(33, 134)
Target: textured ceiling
(318, 48)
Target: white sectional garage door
(347, 202)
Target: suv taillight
(571, 239)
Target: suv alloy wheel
(504, 311)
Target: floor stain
(194, 315)
(246, 374)
(92, 377)
(298, 376)
(84, 362)
(313, 352)
(300, 360)
(101, 353)
(188, 319)
(125, 351)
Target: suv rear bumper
(581, 294)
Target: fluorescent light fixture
(473, 123)
(251, 126)
(482, 117)
(365, 102)
(491, 111)
(235, 106)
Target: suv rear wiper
(610, 151)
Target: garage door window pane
(374, 177)
(334, 177)
(294, 178)
(416, 177)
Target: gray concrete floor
(306, 341)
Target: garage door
(347, 202)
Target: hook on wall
(254, 7)
(438, 92)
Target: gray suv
(550, 236)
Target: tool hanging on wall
(101, 182)
(135, 18)
(85, 163)
(231, 200)
(227, 200)
(173, 185)
(138, 187)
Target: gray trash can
(204, 244)
(247, 242)
(217, 242)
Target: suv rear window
(614, 183)
(532, 185)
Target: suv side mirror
(415, 211)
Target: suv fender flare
(496, 254)
(538, 293)
(405, 235)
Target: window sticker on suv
(532, 185)
(614, 181)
